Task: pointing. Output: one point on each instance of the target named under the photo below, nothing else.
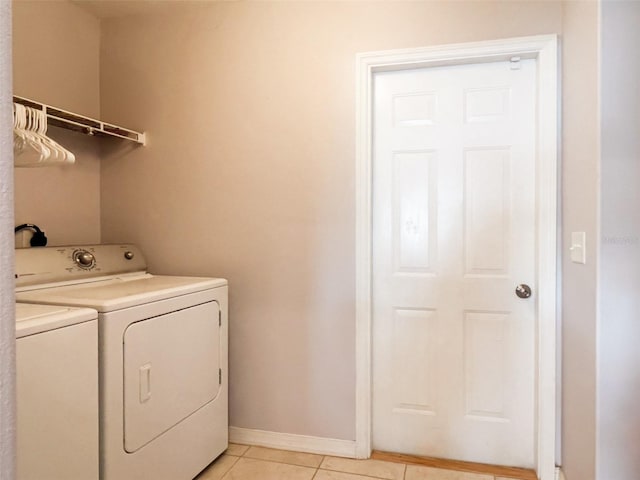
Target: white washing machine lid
(32, 319)
(118, 292)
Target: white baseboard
(560, 474)
(290, 441)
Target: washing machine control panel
(58, 264)
(84, 259)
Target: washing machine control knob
(84, 259)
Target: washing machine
(57, 392)
(162, 355)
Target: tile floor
(241, 462)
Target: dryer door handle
(145, 382)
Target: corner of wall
(7, 305)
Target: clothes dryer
(162, 357)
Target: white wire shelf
(79, 123)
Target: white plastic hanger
(62, 155)
(32, 147)
(28, 151)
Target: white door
(453, 236)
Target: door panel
(487, 206)
(171, 367)
(484, 362)
(414, 211)
(454, 233)
(414, 391)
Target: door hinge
(219, 318)
(515, 63)
(219, 376)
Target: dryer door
(171, 369)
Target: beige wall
(580, 160)
(249, 173)
(618, 327)
(56, 61)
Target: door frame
(544, 48)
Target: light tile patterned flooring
(241, 462)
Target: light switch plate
(578, 247)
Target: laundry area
(150, 381)
(324, 240)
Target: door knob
(523, 291)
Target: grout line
(277, 462)
(320, 467)
(229, 469)
(367, 475)
(286, 462)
